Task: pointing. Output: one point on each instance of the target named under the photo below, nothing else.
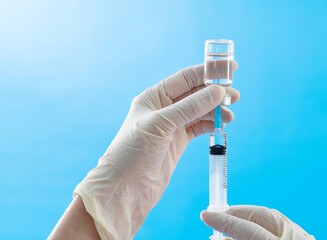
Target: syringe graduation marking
(221, 150)
(225, 163)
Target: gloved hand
(131, 177)
(254, 223)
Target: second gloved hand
(131, 177)
(254, 223)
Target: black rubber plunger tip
(217, 149)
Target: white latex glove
(131, 177)
(254, 223)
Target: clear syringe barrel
(218, 171)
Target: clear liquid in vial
(219, 68)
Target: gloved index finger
(190, 108)
(188, 78)
(235, 94)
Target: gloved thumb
(190, 108)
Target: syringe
(219, 56)
(218, 174)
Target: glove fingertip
(217, 92)
(207, 217)
(203, 215)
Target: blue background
(69, 70)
